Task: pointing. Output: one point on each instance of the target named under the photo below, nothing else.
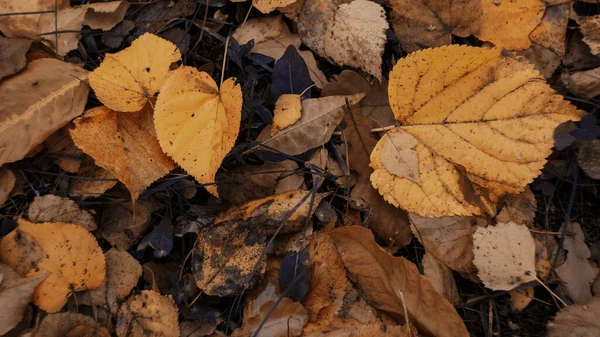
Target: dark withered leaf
(562, 135)
(293, 266)
(588, 129)
(114, 37)
(161, 239)
(290, 75)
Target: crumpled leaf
(577, 320)
(148, 314)
(290, 75)
(15, 295)
(432, 23)
(125, 144)
(480, 129)
(7, 183)
(589, 27)
(93, 182)
(287, 320)
(41, 99)
(58, 325)
(441, 277)
(504, 255)
(589, 158)
(69, 272)
(507, 24)
(576, 273)
(12, 55)
(120, 227)
(197, 124)
(320, 116)
(125, 81)
(381, 278)
(52, 208)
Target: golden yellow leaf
(288, 109)
(196, 124)
(123, 143)
(148, 314)
(474, 126)
(520, 298)
(69, 253)
(507, 24)
(125, 81)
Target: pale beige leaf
(431, 23)
(260, 30)
(504, 255)
(287, 320)
(288, 109)
(483, 124)
(381, 278)
(37, 102)
(58, 325)
(590, 28)
(582, 320)
(290, 180)
(313, 21)
(7, 183)
(148, 314)
(12, 55)
(441, 277)
(576, 273)
(589, 157)
(52, 208)
(583, 83)
(267, 6)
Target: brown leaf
(93, 180)
(583, 83)
(125, 144)
(589, 156)
(12, 55)
(520, 298)
(22, 252)
(88, 331)
(61, 148)
(381, 278)
(120, 227)
(148, 314)
(15, 295)
(52, 208)
(247, 183)
(36, 102)
(58, 325)
(287, 320)
(267, 289)
(7, 183)
(352, 328)
(590, 27)
(441, 277)
(432, 23)
(580, 320)
(576, 272)
(519, 208)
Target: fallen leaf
(92, 180)
(52, 208)
(12, 55)
(160, 239)
(36, 102)
(291, 180)
(127, 80)
(294, 274)
(432, 23)
(15, 295)
(441, 277)
(288, 109)
(162, 276)
(580, 320)
(583, 83)
(290, 75)
(20, 251)
(504, 255)
(482, 128)
(287, 320)
(58, 325)
(313, 20)
(197, 125)
(157, 14)
(148, 314)
(88, 331)
(120, 227)
(246, 183)
(7, 183)
(383, 279)
(576, 273)
(125, 144)
(589, 27)
(507, 24)
(320, 117)
(267, 6)
(578, 54)
(351, 328)
(68, 272)
(589, 154)
(61, 148)
(520, 298)
(519, 208)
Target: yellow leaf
(123, 143)
(196, 124)
(148, 314)
(125, 81)
(69, 253)
(474, 126)
(288, 109)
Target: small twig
(383, 129)
(550, 233)
(224, 60)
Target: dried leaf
(148, 314)
(21, 252)
(93, 180)
(507, 24)
(36, 102)
(69, 272)
(88, 331)
(520, 298)
(313, 20)
(61, 148)
(125, 144)
(197, 124)
(125, 81)
(294, 274)
(52, 208)
(120, 227)
(320, 116)
(576, 272)
(288, 109)
(287, 320)
(431, 23)
(441, 277)
(589, 27)
(480, 129)
(519, 209)
(12, 55)
(504, 255)
(7, 183)
(267, 6)
(583, 83)
(589, 158)
(15, 295)
(352, 328)
(381, 278)
(577, 320)
(58, 325)
(290, 75)
(247, 183)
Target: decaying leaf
(481, 128)
(15, 295)
(148, 314)
(576, 272)
(352, 328)
(69, 272)
(507, 24)
(583, 83)
(21, 252)
(589, 158)
(590, 27)
(7, 183)
(580, 320)
(197, 124)
(52, 208)
(287, 320)
(267, 6)
(58, 325)
(247, 183)
(61, 148)
(290, 75)
(120, 227)
(519, 208)
(441, 277)
(92, 180)
(382, 279)
(36, 102)
(320, 117)
(288, 109)
(12, 55)
(504, 255)
(431, 23)
(88, 331)
(125, 81)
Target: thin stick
(305, 90)
(401, 295)
(383, 129)
(224, 60)
(551, 292)
(550, 233)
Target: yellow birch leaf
(196, 124)
(69, 253)
(288, 109)
(474, 125)
(125, 81)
